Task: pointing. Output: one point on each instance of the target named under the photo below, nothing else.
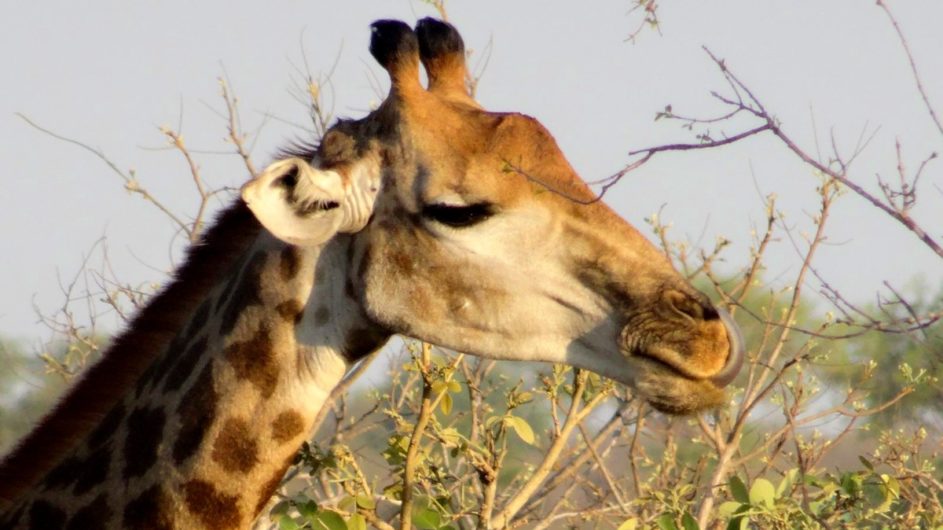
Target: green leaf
(521, 427)
(727, 509)
(666, 521)
(307, 509)
(366, 502)
(875, 495)
(347, 504)
(785, 486)
(491, 420)
(851, 484)
(279, 509)
(866, 463)
(739, 490)
(426, 519)
(762, 492)
(356, 522)
(329, 520)
(628, 524)
(893, 487)
(738, 523)
(287, 523)
(688, 522)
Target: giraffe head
(470, 230)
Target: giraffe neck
(203, 436)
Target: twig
(616, 491)
(411, 465)
(130, 182)
(235, 130)
(913, 65)
(648, 153)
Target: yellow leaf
(446, 403)
(521, 427)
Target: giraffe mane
(90, 399)
(297, 148)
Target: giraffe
(407, 221)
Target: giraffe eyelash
(458, 216)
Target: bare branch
(913, 65)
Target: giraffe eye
(458, 216)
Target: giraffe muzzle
(692, 348)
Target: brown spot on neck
(289, 263)
(254, 361)
(96, 514)
(158, 370)
(186, 364)
(196, 411)
(106, 429)
(82, 474)
(236, 449)
(64, 474)
(151, 510)
(95, 470)
(145, 434)
(198, 322)
(245, 294)
(287, 426)
(216, 510)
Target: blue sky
(110, 73)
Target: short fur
(85, 405)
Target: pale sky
(110, 73)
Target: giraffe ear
(298, 204)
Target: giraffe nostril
(709, 311)
(689, 307)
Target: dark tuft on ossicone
(391, 41)
(438, 38)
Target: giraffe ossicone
(406, 221)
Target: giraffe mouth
(654, 355)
